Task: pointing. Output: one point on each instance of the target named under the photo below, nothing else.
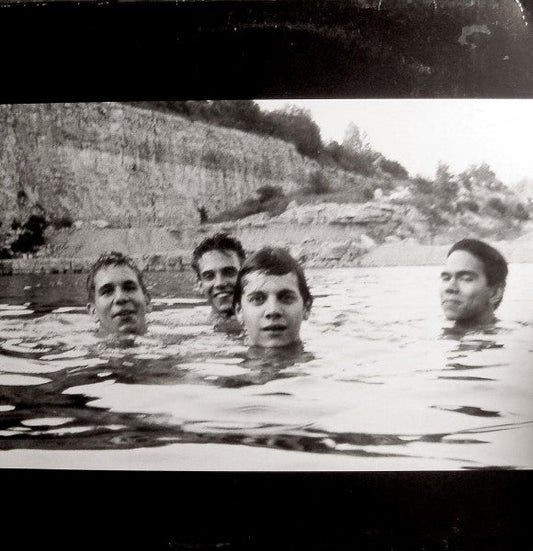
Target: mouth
(125, 314)
(223, 297)
(274, 329)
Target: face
(272, 309)
(464, 292)
(119, 301)
(218, 271)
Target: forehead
(464, 261)
(115, 275)
(220, 258)
(267, 283)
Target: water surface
(382, 384)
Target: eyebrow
(461, 273)
(112, 284)
(280, 292)
(287, 291)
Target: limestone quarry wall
(132, 166)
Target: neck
(293, 348)
(217, 315)
(482, 320)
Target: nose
(220, 279)
(450, 286)
(272, 308)
(120, 295)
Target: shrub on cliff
(64, 221)
(393, 168)
(521, 212)
(294, 125)
(30, 236)
(267, 193)
(352, 161)
(318, 183)
(467, 205)
(496, 204)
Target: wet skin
(272, 309)
(120, 304)
(465, 294)
(218, 272)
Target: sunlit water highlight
(381, 384)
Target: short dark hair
(216, 242)
(272, 261)
(494, 264)
(112, 258)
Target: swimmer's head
(216, 261)
(472, 282)
(118, 298)
(272, 298)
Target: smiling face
(218, 271)
(465, 294)
(272, 309)
(119, 303)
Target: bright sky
(420, 133)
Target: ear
(496, 295)
(91, 310)
(307, 309)
(238, 313)
(197, 288)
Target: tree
(356, 140)
(445, 187)
(481, 176)
(295, 125)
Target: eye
(445, 277)
(287, 297)
(130, 287)
(105, 290)
(208, 276)
(229, 272)
(468, 278)
(256, 298)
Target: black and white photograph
(267, 285)
(314, 282)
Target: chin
(451, 314)
(274, 343)
(131, 330)
(451, 317)
(224, 311)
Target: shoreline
(398, 253)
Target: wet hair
(272, 261)
(216, 242)
(112, 258)
(494, 264)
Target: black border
(124, 51)
(113, 51)
(476, 510)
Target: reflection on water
(381, 383)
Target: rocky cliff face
(134, 167)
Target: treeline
(291, 124)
